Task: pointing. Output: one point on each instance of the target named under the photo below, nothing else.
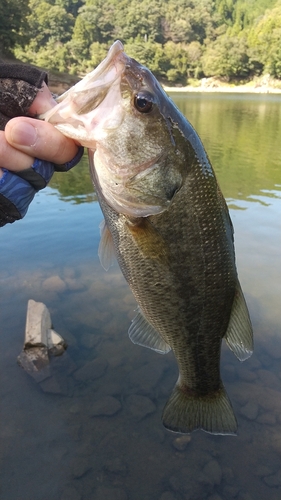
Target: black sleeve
(19, 84)
(8, 211)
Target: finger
(11, 158)
(40, 139)
(42, 102)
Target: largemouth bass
(169, 225)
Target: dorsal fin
(142, 333)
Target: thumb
(40, 140)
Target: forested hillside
(180, 40)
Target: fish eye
(143, 102)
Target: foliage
(178, 40)
(265, 38)
(227, 56)
(13, 24)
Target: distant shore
(60, 87)
(241, 89)
(60, 82)
(263, 85)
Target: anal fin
(142, 333)
(239, 334)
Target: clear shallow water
(93, 430)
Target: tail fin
(212, 413)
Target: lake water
(93, 429)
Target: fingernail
(24, 134)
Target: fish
(168, 224)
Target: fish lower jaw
(78, 134)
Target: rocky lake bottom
(92, 428)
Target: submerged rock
(55, 385)
(40, 341)
(35, 361)
(54, 284)
(148, 376)
(230, 491)
(106, 406)
(250, 410)
(116, 466)
(89, 340)
(70, 493)
(274, 480)
(213, 471)
(140, 406)
(167, 495)
(91, 370)
(55, 343)
(181, 442)
(104, 493)
(80, 467)
(267, 418)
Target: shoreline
(241, 89)
(263, 85)
(59, 88)
(208, 85)
(260, 85)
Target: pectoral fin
(142, 333)
(239, 335)
(106, 250)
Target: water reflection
(241, 139)
(93, 430)
(76, 186)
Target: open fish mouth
(77, 112)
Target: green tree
(13, 24)
(149, 54)
(225, 9)
(50, 28)
(227, 56)
(264, 38)
(178, 61)
(48, 21)
(239, 14)
(177, 39)
(70, 6)
(135, 18)
(189, 20)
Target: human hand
(30, 151)
(25, 138)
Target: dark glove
(19, 85)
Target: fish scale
(169, 226)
